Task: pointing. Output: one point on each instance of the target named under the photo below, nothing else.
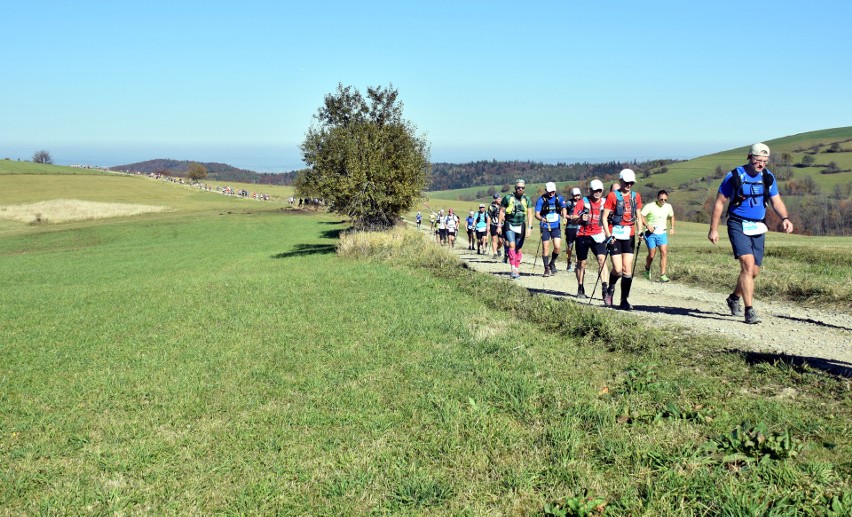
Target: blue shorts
(743, 244)
(652, 240)
(550, 233)
(517, 238)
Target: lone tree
(42, 157)
(364, 159)
(196, 171)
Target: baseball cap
(496, 196)
(627, 175)
(481, 205)
(471, 212)
(575, 191)
(596, 185)
(759, 150)
(520, 183)
(550, 187)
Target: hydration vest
(618, 213)
(587, 205)
(545, 205)
(740, 178)
(494, 213)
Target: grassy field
(218, 360)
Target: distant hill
(215, 170)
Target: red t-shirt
(593, 225)
(627, 217)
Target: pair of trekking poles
(600, 269)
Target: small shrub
(577, 506)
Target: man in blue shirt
(550, 210)
(750, 188)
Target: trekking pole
(636, 257)
(536, 254)
(600, 270)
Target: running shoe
(581, 294)
(647, 274)
(506, 258)
(735, 305)
(570, 267)
(553, 268)
(664, 278)
(625, 306)
(515, 275)
(546, 272)
(495, 256)
(751, 316)
(607, 298)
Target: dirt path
(823, 338)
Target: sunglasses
(598, 190)
(629, 183)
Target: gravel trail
(820, 337)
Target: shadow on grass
(302, 250)
(333, 234)
(832, 366)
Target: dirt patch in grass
(66, 210)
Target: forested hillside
(449, 176)
(215, 170)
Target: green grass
(207, 363)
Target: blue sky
(106, 83)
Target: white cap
(576, 192)
(550, 187)
(759, 150)
(596, 185)
(627, 175)
(481, 205)
(520, 183)
(471, 212)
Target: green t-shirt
(657, 216)
(516, 209)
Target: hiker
(480, 224)
(442, 227)
(493, 225)
(419, 219)
(452, 225)
(550, 210)
(655, 217)
(750, 187)
(470, 232)
(571, 225)
(588, 213)
(624, 205)
(515, 219)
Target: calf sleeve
(626, 282)
(613, 278)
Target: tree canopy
(365, 160)
(42, 157)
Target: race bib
(517, 228)
(621, 233)
(552, 217)
(599, 238)
(752, 228)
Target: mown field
(223, 358)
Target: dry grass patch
(66, 210)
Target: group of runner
(609, 226)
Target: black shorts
(548, 233)
(480, 234)
(584, 244)
(443, 233)
(626, 247)
(493, 229)
(570, 235)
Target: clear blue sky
(107, 83)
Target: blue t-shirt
(551, 217)
(752, 207)
(469, 221)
